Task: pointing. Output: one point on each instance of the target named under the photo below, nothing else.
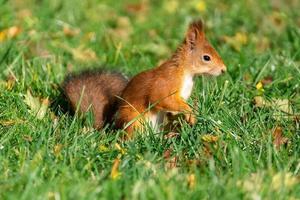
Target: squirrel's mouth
(213, 73)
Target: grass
(54, 155)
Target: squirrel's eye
(206, 58)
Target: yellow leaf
(122, 31)
(210, 138)
(118, 147)
(32, 102)
(11, 122)
(259, 86)
(201, 6)
(191, 179)
(115, 169)
(171, 6)
(57, 149)
(237, 41)
(84, 54)
(103, 148)
(10, 32)
(283, 180)
(36, 107)
(43, 109)
(13, 31)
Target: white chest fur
(187, 86)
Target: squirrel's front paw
(191, 119)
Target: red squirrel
(97, 91)
(151, 94)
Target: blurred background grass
(241, 147)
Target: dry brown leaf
(167, 154)
(137, 8)
(115, 169)
(70, 32)
(171, 162)
(278, 139)
(171, 135)
(267, 80)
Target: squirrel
(95, 90)
(150, 95)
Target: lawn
(245, 145)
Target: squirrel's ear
(194, 33)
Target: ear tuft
(194, 33)
(197, 25)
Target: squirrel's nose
(223, 70)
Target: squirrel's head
(199, 57)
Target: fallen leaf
(237, 41)
(9, 33)
(82, 54)
(259, 86)
(103, 148)
(32, 102)
(122, 31)
(137, 8)
(27, 138)
(171, 135)
(171, 162)
(156, 49)
(10, 122)
(284, 180)
(281, 105)
(276, 21)
(70, 32)
(167, 154)
(171, 6)
(252, 185)
(10, 83)
(57, 149)
(36, 107)
(210, 138)
(262, 43)
(278, 139)
(267, 80)
(201, 6)
(191, 179)
(118, 147)
(115, 169)
(43, 109)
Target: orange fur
(160, 89)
